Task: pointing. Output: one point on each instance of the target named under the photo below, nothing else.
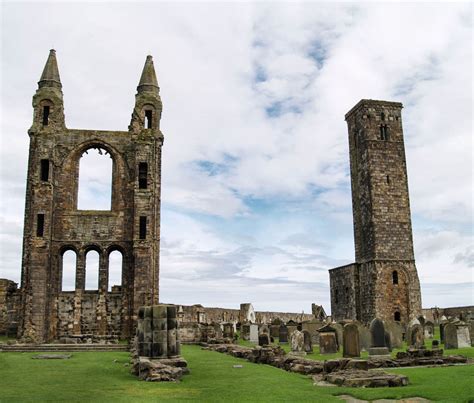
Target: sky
(256, 199)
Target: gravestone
(228, 332)
(297, 341)
(263, 339)
(435, 344)
(291, 326)
(429, 329)
(365, 338)
(456, 335)
(396, 333)
(283, 334)
(312, 327)
(217, 330)
(274, 330)
(245, 331)
(308, 343)
(351, 343)
(253, 334)
(417, 339)
(327, 343)
(377, 332)
(264, 329)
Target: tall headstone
(308, 342)
(297, 341)
(274, 330)
(377, 331)
(228, 332)
(283, 334)
(417, 339)
(429, 329)
(253, 334)
(245, 331)
(396, 333)
(351, 343)
(327, 343)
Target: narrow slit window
(395, 277)
(383, 132)
(45, 170)
(382, 116)
(388, 179)
(142, 175)
(40, 225)
(397, 316)
(142, 227)
(46, 115)
(148, 118)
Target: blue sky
(256, 187)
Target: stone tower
(55, 225)
(383, 282)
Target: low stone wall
(276, 357)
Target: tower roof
(50, 76)
(148, 81)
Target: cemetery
(125, 344)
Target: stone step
(62, 347)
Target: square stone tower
(383, 282)
(55, 225)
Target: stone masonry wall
(9, 307)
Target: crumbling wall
(9, 307)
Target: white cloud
(254, 101)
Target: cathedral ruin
(55, 225)
(383, 281)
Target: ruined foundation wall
(200, 314)
(9, 307)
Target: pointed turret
(147, 111)
(50, 76)
(148, 81)
(48, 100)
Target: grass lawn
(104, 377)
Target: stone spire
(50, 76)
(148, 81)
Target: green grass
(103, 377)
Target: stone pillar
(80, 286)
(160, 331)
(101, 310)
(173, 345)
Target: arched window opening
(148, 118)
(95, 180)
(92, 270)
(395, 277)
(115, 269)
(397, 316)
(68, 271)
